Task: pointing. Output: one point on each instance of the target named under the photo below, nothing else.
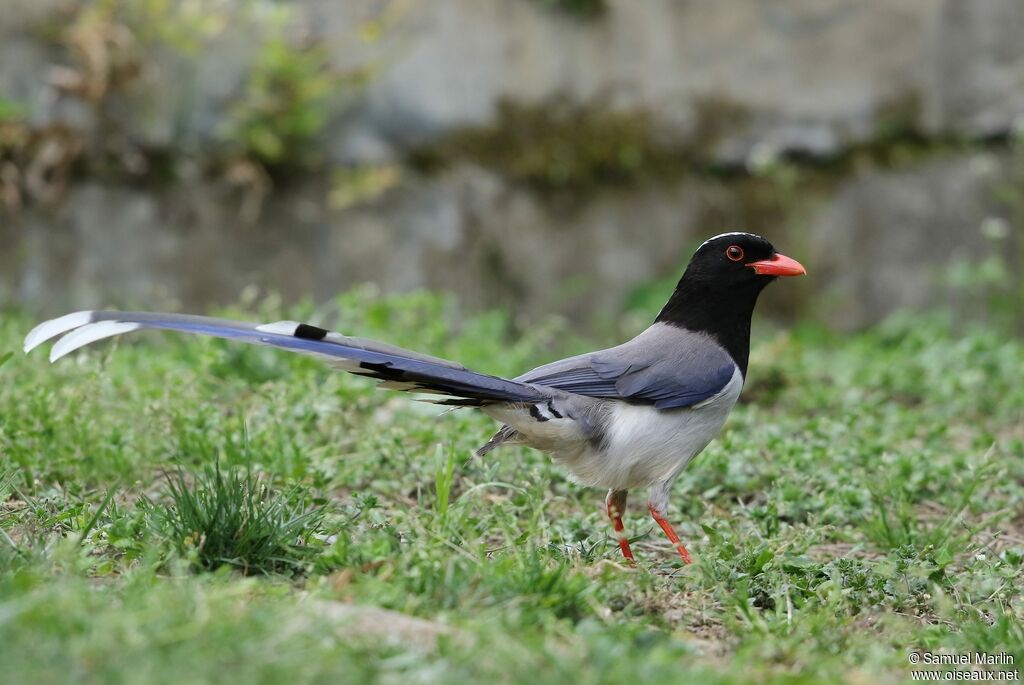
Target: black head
(718, 292)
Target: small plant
(6, 478)
(444, 476)
(289, 98)
(351, 187)
(11, 111)
(234, 518)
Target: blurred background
(540, 156)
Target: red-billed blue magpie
(626, 417)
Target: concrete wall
(812, 78)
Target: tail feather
(399, 369)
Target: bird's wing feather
(400, 369)
(665, 366)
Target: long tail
(396, 368)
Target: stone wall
(811, 90)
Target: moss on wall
(566, 147)
(576, 149)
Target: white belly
(642, 445)
(645, 446)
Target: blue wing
(665, 366)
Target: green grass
(864, 501)
(234, 519)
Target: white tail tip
(54, 327)
(88, 334)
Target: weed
(291, 94)
(445, 460)
(236, 519)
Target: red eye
(734, 252)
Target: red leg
(616, 503)
(670, 532)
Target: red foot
(616, 503)
(671, 533)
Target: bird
(627, 417)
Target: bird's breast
(616, 444)
(641, 445)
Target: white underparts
(636, 445)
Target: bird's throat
(722, 313)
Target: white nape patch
(54, 327)
(88, 334)
(723, 235)
(279, 327)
